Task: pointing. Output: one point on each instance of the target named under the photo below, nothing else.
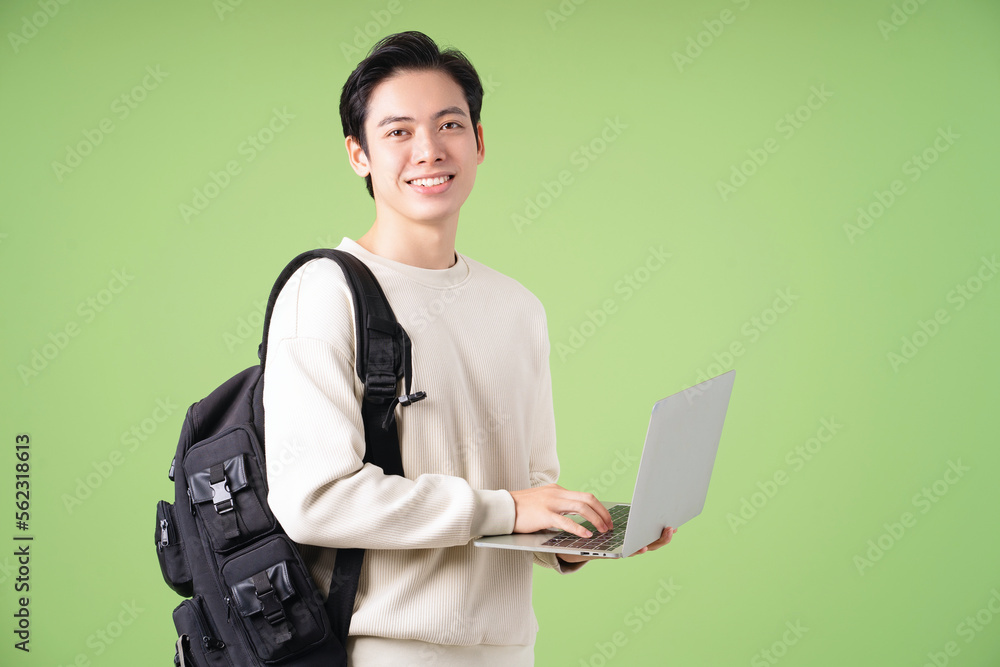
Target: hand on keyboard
(542, 507)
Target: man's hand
(545, 507)
(665, 537)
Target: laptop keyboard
(600, 541)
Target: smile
(429, 182)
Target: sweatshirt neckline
(436, 278)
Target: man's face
(422, 153)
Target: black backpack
(252, 600)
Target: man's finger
(665, 537)
(589, 513)
(594, 511)
(571, 526)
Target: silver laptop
(677, 459)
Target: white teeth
(427, 182)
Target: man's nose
(427, 147)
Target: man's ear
(359, 161)
(481, 153)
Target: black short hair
(403, 51)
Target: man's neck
(424, 246)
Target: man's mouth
(430, 182)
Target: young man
(479, 452)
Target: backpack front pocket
(197, 638)
(226, 488)
(170, 551)
(278, 608)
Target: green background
(821, 551)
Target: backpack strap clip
(380, 387)
(221, 498)
(271, 607)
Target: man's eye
(451, 124)
(397, 133)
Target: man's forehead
(416, 95)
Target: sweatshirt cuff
(551, 560)
(494, 513)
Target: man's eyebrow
(450, 110)
(394, 119)
(409, 119)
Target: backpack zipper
(208, 641)
(164, 537)
(167, 536)
(231, 606)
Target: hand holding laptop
(677, 459)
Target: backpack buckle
(380, 386)
(221, 497)
(270, 605)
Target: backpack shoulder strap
(383, 357)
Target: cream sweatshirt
(481, 352)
